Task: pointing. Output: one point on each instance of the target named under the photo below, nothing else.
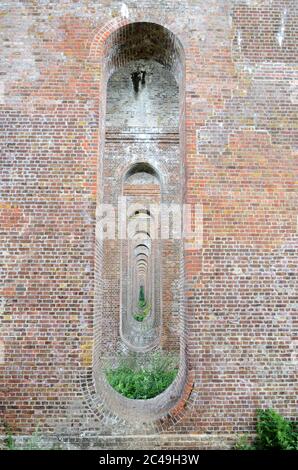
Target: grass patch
(139, 379)
(143, 311)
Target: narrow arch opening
(141, 319)
(142, 165)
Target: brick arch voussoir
(100, 37)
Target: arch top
(141, 167)
(135, 39)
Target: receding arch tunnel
(141, 164)
(140, 270)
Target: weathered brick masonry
(232, 302)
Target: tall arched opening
(141, 176)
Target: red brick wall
(240, 294)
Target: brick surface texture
(226, 140)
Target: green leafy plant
(142, 295)
(138, 380)
(143, 312)
(273, 432)
(143, 307)
(9, 441)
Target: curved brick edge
(159, 167)
(93, 401)
(184, 404)
(167, 422)
(98, 39)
